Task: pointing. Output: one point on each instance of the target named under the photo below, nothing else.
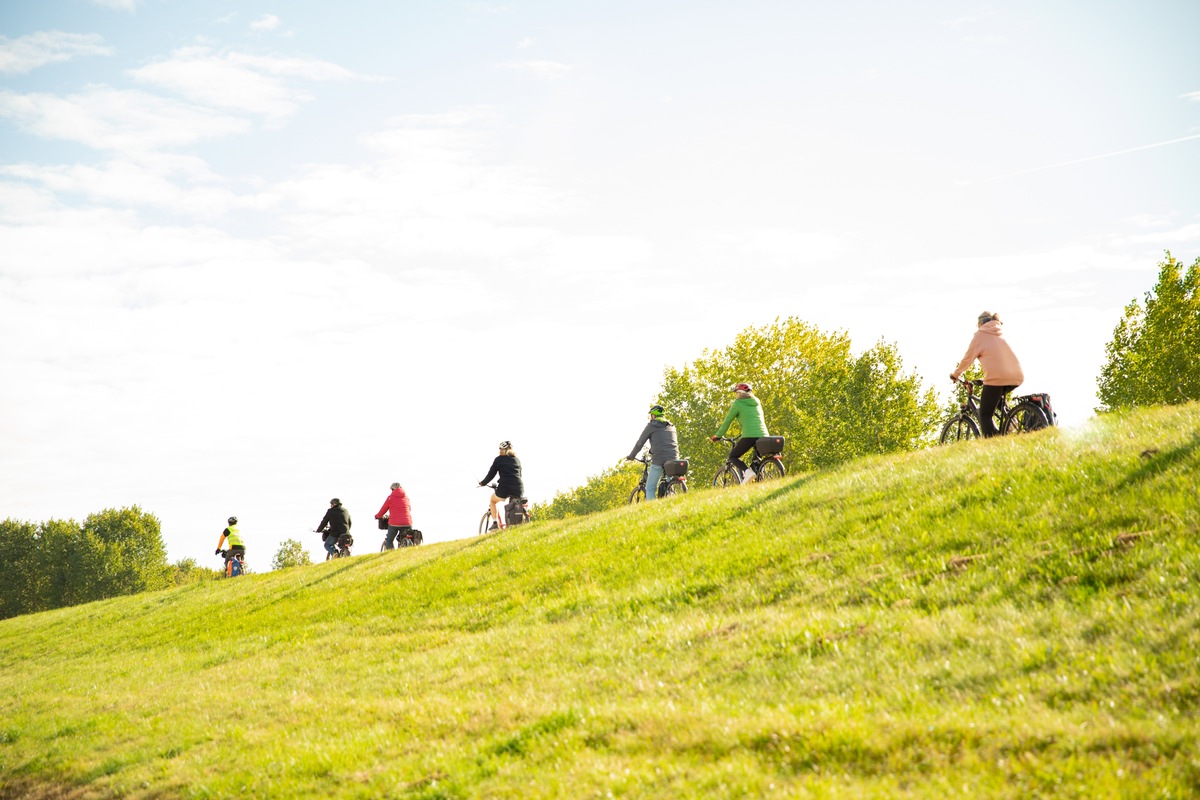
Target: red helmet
(742, 387)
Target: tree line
(64, 563)
(833, 406)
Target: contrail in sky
(1094, 158)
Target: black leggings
(743, 446)
(989, 398)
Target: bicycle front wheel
(1025, 418)
(958, 428)
(485, 523)
(771, 470)
(637, 495)
(727, 475)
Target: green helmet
(657, 411)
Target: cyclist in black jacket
(335, 522)
(508, 467)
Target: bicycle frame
(757, 461)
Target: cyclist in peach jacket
(1001, 370)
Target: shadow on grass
(1161, 462)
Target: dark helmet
(233, 520)
(335, 502)
(657, 411)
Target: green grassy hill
(1012, 618)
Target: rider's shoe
(494, 526)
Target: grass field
(1016, 618)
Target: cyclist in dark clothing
(335, 522)
(508, 467)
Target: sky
(257, 255)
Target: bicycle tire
(1025, 417)
(959, 428)
(727, 475)
(637, 495)
(771, 470)
(485, 523)
(674, 487)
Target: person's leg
(653, 476)
(331, 545)
(390, 543)
(495, 501)
(989, 398)
(743, 446)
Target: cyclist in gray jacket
(664, 447)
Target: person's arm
(383, 508)
(645, 437)
(491, 472)
(348, 523)
(221, 541)
(968, 357)
(730, 416)
(324, 523)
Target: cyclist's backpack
(1042, 401)
(769, 445)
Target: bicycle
(235, 564)
(766, 465)
(673, 481)
(411, 538)
(342, 549)
(516, 512)
(1031, 412)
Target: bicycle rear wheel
(1025, 417)
(674, 487)
(958, 428)
(727, 475)
(771, 470)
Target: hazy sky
(254, 255)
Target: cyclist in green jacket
(749, 414)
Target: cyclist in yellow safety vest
(236, 546)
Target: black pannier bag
(416, 536)
(769, 445)
(345, 540)
(675, 469)
(1042, 401)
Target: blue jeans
(331, 545)
(653, 476)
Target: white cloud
(18, 56)
(239, 81)
(526, 42)
(550, 70)
(112, 119)
(267, 22)
(1193, 96)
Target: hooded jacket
(335, 522)
(999, 362)
(397, 508)
(749, 414)
(664, 444)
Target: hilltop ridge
(1013, 617)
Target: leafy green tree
(831, 405)
(1152, 356)
(290, 554)
(61, 563)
